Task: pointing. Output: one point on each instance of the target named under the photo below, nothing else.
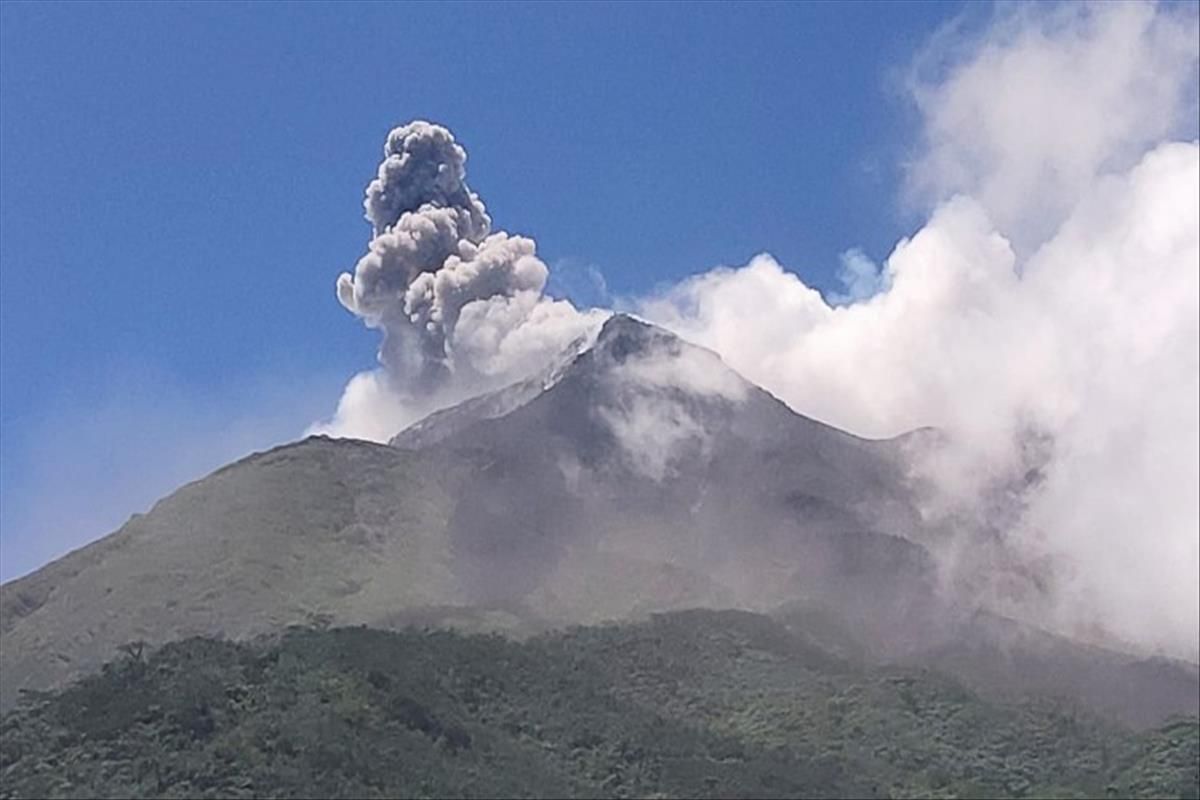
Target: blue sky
(181, 184)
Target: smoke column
(461, 307)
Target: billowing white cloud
(949, 285)
(1023, 116)
(1081, 337)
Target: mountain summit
(636, 474)
(646, 462)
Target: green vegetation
(690, 704)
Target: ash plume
(461, 306)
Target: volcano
(637, 474)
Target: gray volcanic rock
(448, 421)
(651, 449)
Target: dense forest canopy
(689, 704)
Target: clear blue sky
(181, 184)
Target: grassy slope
(688, 704)
(304, 531)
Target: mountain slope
(669, 457)
(550, 513)
(638, 474)
(309, 529)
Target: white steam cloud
(1046, 317)
(1056, 124)
(1025, 116)
(654, 430)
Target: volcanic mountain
(638, 474)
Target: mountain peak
(625, 355)
(623, 336)
(621, 341)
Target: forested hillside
(690, 704)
